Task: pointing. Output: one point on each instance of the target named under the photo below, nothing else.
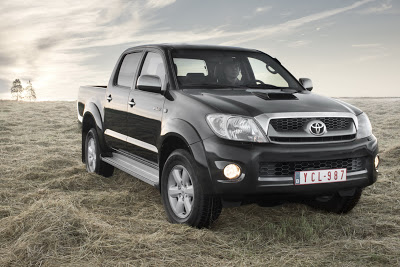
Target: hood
(252, 102)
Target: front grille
(289, 168)
(313, 139)
(294, 124)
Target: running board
(135, 168)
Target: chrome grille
(294, 124)
(313, 139)
(268, 169)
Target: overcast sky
(348, 48)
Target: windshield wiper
(208, 85)
(234, 86)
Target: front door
(117, 93)
(144, 116)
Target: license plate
(320, 176)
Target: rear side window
(153, 65)
(183, 66)
(128, 69)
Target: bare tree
(16, 89)
(30, 93)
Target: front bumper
(220, 152)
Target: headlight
(364, 126)
(235, 128)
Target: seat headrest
(195, 77)
(219, 72)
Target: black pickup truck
(215, 126)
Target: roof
(169, 46)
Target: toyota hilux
(217, 126)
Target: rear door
(117, 93)
(144, 117)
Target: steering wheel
(258, 81)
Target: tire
(336, 203)
(93, 161)
(186, 203)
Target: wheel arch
(92, 119)
(184, 137)
(171, 142)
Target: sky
(348, 48)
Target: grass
(53, 213)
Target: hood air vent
(275, 96)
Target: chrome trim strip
(302, 134)
(276, 179)
(131, 140)
(264, 122)
(357, 173)
(239, 179)
(145, 145)
(310, 143)
(115, 134)
(271, 185)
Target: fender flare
(180, 128)
(91, 110)
(186, 132)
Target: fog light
(376, 161)
(232, 171)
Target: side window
(153, 65)
(266, 74)
(187, 65)
(128, 69)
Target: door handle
(132, 102)
(109, 98)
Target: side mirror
(149, 83)
(307, 83)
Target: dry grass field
(53, 213)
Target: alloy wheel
(180, 191)
(91, 155)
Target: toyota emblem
(317, 127)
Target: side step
(135, 168)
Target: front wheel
(336, 203)
(182, 193)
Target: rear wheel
(182, 193)
(94, 164)
(336, 203)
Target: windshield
(196, 68)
